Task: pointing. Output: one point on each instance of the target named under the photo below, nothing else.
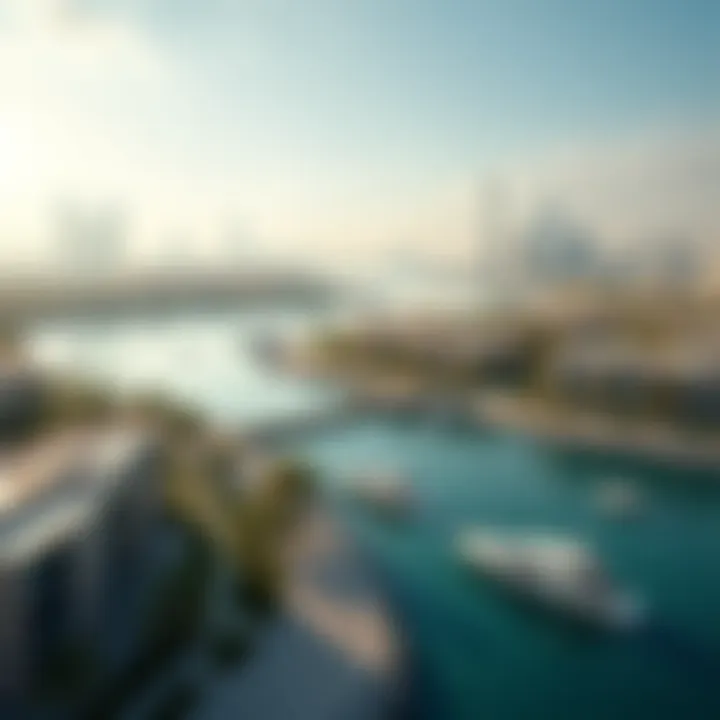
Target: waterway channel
(475, 653)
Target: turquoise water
(480, 655)
(477, 654)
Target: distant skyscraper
(675, 260)
(179, 251)
(555, 248)
(238, 246)
(92, 240)
(494, 262)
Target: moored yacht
(556, 573)
(619, 499)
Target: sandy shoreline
(658, 442)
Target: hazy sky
(343, 125)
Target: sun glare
(16, 154)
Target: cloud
(37, 13)
(95, 107)
(46, 41)
(64, 75)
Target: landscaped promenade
(657, 441)
(331, 653)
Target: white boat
(557, 573)
(619, 499)
(387, 492)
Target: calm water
(205, 359)
(481, 656)
(477, 654)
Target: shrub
(229, 648)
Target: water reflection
(479, 645)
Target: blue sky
(463, 76)
(329, 118)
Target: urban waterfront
(474, 653)
(359, 360)
(479, 655)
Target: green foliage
(228, 648)
(260, 527)
(334, 345)
(177, 705)
(69, 674)
(258, 552)
(291, 481)
(10, 335)
(180, 420)
(72, 402)
(178, 604)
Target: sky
(345, 129)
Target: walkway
(332, 653)
(195, 666)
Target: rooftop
(52, 488)
(37, 467)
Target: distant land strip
(26, 298)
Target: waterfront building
(680, 382)
(92, 240)
(696, 387)
(555, 248)
(22, 397)
(78, 528)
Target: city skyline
(339, 129)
